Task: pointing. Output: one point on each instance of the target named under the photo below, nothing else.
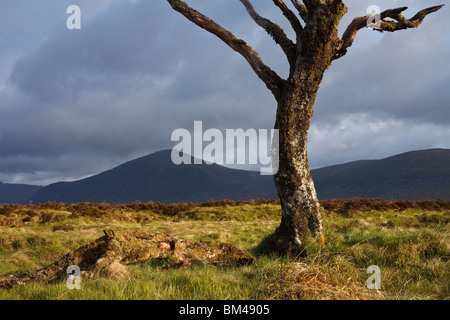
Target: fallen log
(131, 247)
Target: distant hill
(16, 193)
(413, 175)
(156, 178)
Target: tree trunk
(301, 218)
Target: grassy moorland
(409, 241)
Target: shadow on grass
(277, 245)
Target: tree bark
(301, 216)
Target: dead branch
(399, 22)
(274, 31)
(290, 16)
(131, 247)
(273, 82)
(301, 8)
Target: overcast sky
(77, 102)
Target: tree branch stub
(399, 22)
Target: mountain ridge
(414, 175)
(155, 178)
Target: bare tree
(316, 46)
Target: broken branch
(131, 247)
(399, 23)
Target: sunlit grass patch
(411, 248)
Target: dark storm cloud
(74, 103)
(114, 90)
(124, 41)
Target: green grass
(411, 247)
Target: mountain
(16, 193)
(413, 175)
(156, 178)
